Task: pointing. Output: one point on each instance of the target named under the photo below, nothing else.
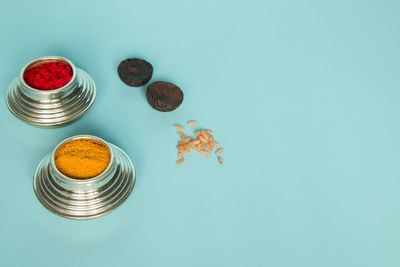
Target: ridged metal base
(53, 112)
(91, 199)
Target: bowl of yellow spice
(84, 177)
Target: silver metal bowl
(51, 107)
(84, 198)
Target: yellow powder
(82, 158)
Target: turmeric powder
(82, 158)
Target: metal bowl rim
(82, 181)
(53, 91)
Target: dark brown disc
(164, 96)
(135, 71)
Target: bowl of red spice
(50, 91)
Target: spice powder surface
(82, 158)
(48, 76)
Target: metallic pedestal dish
(51, 107)
(84, 198)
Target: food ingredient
(135, 71)
(178, 127)
(48, 76)
(164, 96)
(192, 123)
(82, 158)
(219, 151)
(204, 143)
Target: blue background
(303, 95)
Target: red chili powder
(48, 76)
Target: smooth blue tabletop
(303, 96)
